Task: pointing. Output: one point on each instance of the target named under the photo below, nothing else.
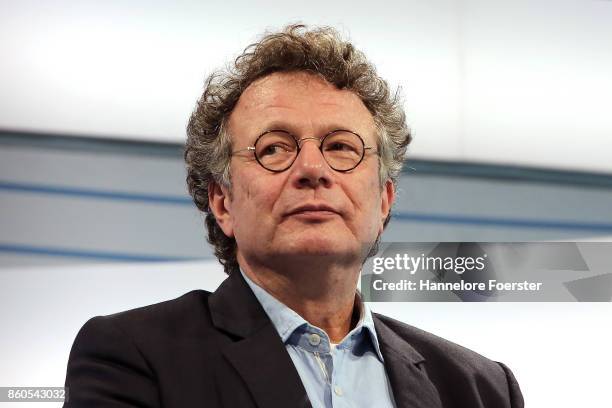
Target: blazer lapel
(258, 354)
(404, 366)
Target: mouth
(313, 212)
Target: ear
(220, 204)
(387, 200)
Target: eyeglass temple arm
(242, 150)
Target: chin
(318, 244)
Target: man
(293, 156)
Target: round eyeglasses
(276, 150)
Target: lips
(313, 209)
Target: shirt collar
(286, 321)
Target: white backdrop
(521, 82)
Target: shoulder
(190, 306)
(435, 347)
(453, 367)
(187, 313)
(136, 349)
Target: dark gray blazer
(221, 350)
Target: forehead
(300, 102)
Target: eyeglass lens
(277, 150)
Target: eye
(339, 147)
(274, 149)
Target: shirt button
(314, 339)
(338, 390)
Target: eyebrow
(282, 125)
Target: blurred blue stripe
(501, 222)
(97, 194)
(398, 216)
(121, 146)
(92, 255)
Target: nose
(310, 168)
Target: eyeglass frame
(299, 148)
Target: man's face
(310, 209)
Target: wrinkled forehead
(300, 102)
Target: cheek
(367, 202)
(253, 198)
(245, 190)
(374, 205)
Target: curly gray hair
(320, 51)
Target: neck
(324, 295)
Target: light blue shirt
(350, 375)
